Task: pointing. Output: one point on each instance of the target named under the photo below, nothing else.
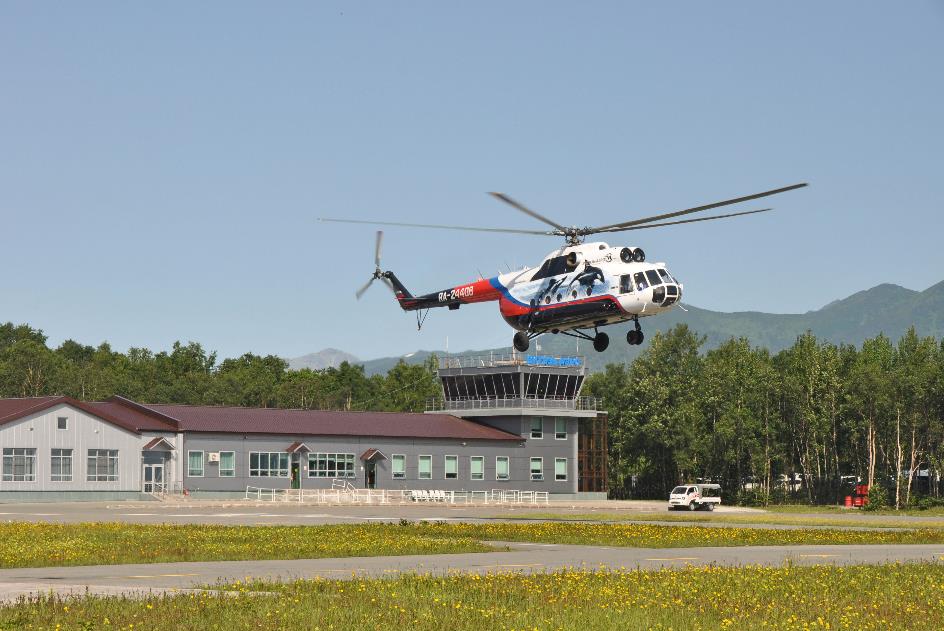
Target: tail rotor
(378, 273)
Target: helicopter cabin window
(653, 277)
(552, 267)
(641, 282)
(626, 284)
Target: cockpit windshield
(641, 282)
(679, 490)
(653, 277)
(666, 277)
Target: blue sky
(162, 166)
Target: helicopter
(578, 288)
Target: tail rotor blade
(389, 284)
(360, 292)
(380, 236)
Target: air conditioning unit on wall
(213, 456)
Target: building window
(62, 422)
(560, 469)
(61, 469)
(195, 464)
(227, 464)
(268, 464)
(330, 465)
(452, 467)
(19, 464)
(501, 468)
(537, 427)
(426, 468)
(560, 429)
(477, 468)
(537, 468)
(398, 466)
(102, 465)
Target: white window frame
(28, 455)
(455, 474)
(279, 471)
(557, 477)
(60, 477)
(107, 455)
(540, 476)
(62, 418)
(231, 472)
(507, 461)
(419, 470)
(560, 435)
(338, 471)
(540, 433)
(394, 474)
(481, 461)
(190, 470)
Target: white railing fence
(343, 492)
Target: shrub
(878, 498)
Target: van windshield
(679, 490)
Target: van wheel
(711, 507)
(691, 506)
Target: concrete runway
(526, 558)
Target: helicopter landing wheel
(521, 341)
(635, 337)
(600, 342)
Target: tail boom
(482, 290)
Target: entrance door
(153, 478)
(370, 475)
(295, 479)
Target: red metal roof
(111, 411)
(371, 453)
(138, 417)
(237, 420)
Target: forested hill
(886, 308)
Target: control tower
(538, 398)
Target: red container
(857, 501)
(848, 502)
(862, 489)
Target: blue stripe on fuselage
(494, 282)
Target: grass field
(859, 520)
(660, 536)
(818, 597)
(25, 544)
(42, 544)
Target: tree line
(801, 424)
(190, 374)
(797, 425)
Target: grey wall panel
(39, 431)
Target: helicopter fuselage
(588, 285)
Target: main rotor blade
(360, 292)
(673, 223)
(526, 210)
(636, 222)
(380, 237)
(442, 227)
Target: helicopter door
(626, 284)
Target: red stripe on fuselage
(509, 308)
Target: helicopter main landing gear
(600, 342)
(635, 336)
(521, 341)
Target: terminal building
(508, 422)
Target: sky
(162, 165)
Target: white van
(695, 496)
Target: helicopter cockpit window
(641, 282)
(666, 278)
(626, 284)
(552, 267)
(653, 277)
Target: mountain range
(886, 308)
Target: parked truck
(695, 497)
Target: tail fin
(401, 292)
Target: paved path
(164, 577)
